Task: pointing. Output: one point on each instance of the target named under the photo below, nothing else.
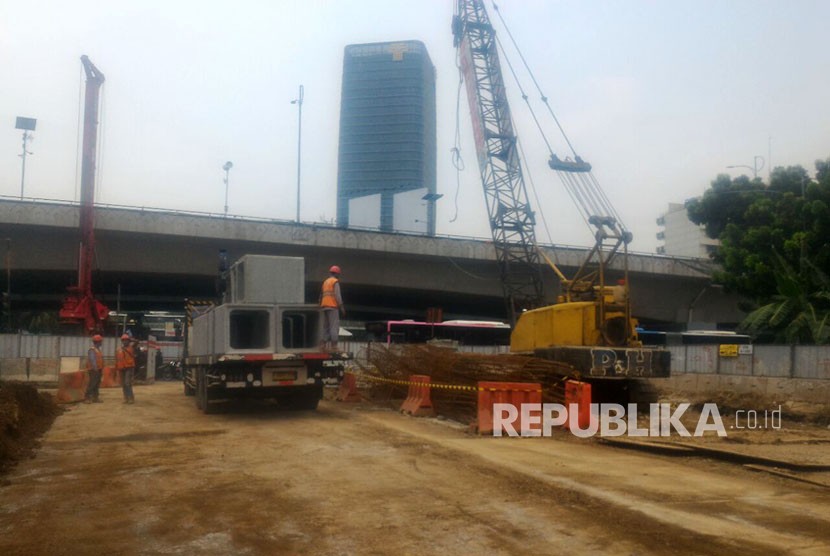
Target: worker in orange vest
(332, 304)
(94, 366)
(125, 363)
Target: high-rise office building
(386, 164)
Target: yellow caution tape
(441, 386)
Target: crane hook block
(568, 165)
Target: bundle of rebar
(390, 367)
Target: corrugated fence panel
(678, 359)
(49, 346)
(740, 365)
(812, 362)
(28, 346)
(74, 346)
(8, 346)
(766, 361)
(771, 361)
(702, 359)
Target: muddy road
(159, 477)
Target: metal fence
(30, 346)
(772, 361)
(776, 361)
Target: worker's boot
(131, 401)
(87, 400)
(97, 400)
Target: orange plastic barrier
(515, 393)
(418, 402)
(579, 393)
(72, 386)
(110, 378)
(348, 389)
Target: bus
(692, 338)
(460, 332)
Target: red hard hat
(97, 338)
(125, 336)
(335, 269)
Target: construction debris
(455, 375)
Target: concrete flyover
(156, 258)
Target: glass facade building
(386, 175)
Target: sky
(659, 96)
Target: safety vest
(99, 359)
(124, 358)
(328, 298)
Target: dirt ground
(25, 414)
(159, 477)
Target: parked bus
(692, 337)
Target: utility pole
(299, 102)
(227, 168)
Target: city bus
(692, 337)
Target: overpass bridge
(153, 259)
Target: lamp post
(27, 125)
(299, 102)
(755, 167)
(227, 168)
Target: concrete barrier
(44, 371)
(14, 369)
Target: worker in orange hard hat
(332, 303)
(125, 363)
(94, 366)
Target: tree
(791, 215)
(770, 231)
(800, 310)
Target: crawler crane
(590, 326)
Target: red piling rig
(80, 305)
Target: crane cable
(584, 190)
(575, 192)
(533, 78)
(457, 161)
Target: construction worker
(333, 309)
(125, 363)
(94, 366)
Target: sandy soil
(159, 477)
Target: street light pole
(27, 125)
(299, 102)
(227, 168)
(755, 167)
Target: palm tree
(799, 312)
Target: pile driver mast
(80, 305)
(512, 219)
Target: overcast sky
(660, 96)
